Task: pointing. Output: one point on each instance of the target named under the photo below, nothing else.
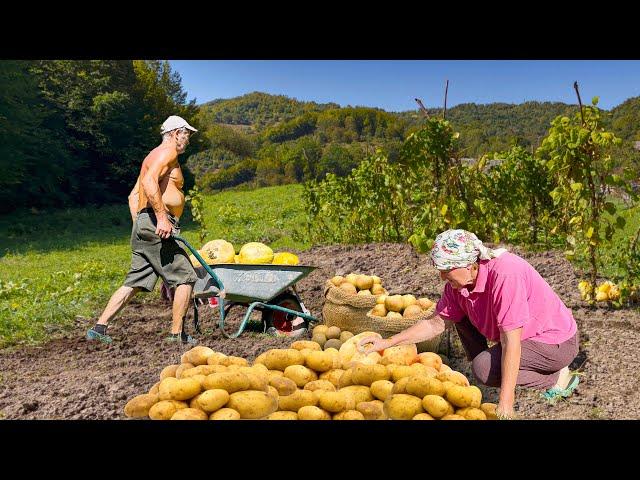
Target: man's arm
(159, 165)
(511, 351)
(134, 198)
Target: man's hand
(222, 293)
(164, 227)
(377, 344)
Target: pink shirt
(509, 293)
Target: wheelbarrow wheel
(283, 322)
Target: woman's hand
(376, 344)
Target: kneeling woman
(496, 295)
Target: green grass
(55, 266)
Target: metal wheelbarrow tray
(264, 287)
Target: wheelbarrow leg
(242, 325)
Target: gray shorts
(153, 257)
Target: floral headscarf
(459, 248)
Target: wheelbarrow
(267, 288)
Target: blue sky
(393, 84)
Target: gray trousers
(540, 363)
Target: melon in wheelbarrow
(285, 258)
(255, 252)
(219, 251)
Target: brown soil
(70, 378)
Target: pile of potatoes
(329, 337)
(304, 382)
(356, 284)
(400, 306)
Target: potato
(261, 369)
(334, 401)
(476, 396)
(164, 409)
(332, 375)
(231, 360)
(453, 376)
(360, 393)
(169, 371)
(280, 358)
(367, 374)
(420, 369)
(311, 412)
(302, 344)
(381, 389)
(436, 406)
(402, 371)
(252, 404)
(400, 386)
(320, 385)
(400, 354)
(319, 338)
(333, 332)
(445, 368)
(225, 414)
(423, 416)
(182, 368)
(319, 361)
(391, 368)
(274, 373)
(320, 329)
(372, 358)
(202, 370)
(300, 374)
(346, 378)
(286, 415)
(272, 391)
(216, 358)
(230, 381)
(284, 386)
(333, 343)
(297, 400)
(211, 400)
(471, 413)
(155, 390)
(179, 389)
(349, 415)
(453, 416)
(460, 396)
(430, 359)
(337, 280)
(447, 385)
(348, 288)
(349, 348)
(257, 382)
(489, 410)
(189, 414)
(197, 355)
(335, 355)
(381, 299)
(138, 406)
(364, 282)
(402, 407)
(373, 410)
(344, 336)
(420, 386)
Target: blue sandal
(93, 335)
(554, 393)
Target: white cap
(174, 122)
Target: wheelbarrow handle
(201, 260)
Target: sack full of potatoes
(346, 309)
(395, 313)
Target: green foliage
(577, 154)
(195, 201)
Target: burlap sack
(390, 326)
(344, 310)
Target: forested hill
(266, 139)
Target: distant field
(56, 266)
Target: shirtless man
(156, 203)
